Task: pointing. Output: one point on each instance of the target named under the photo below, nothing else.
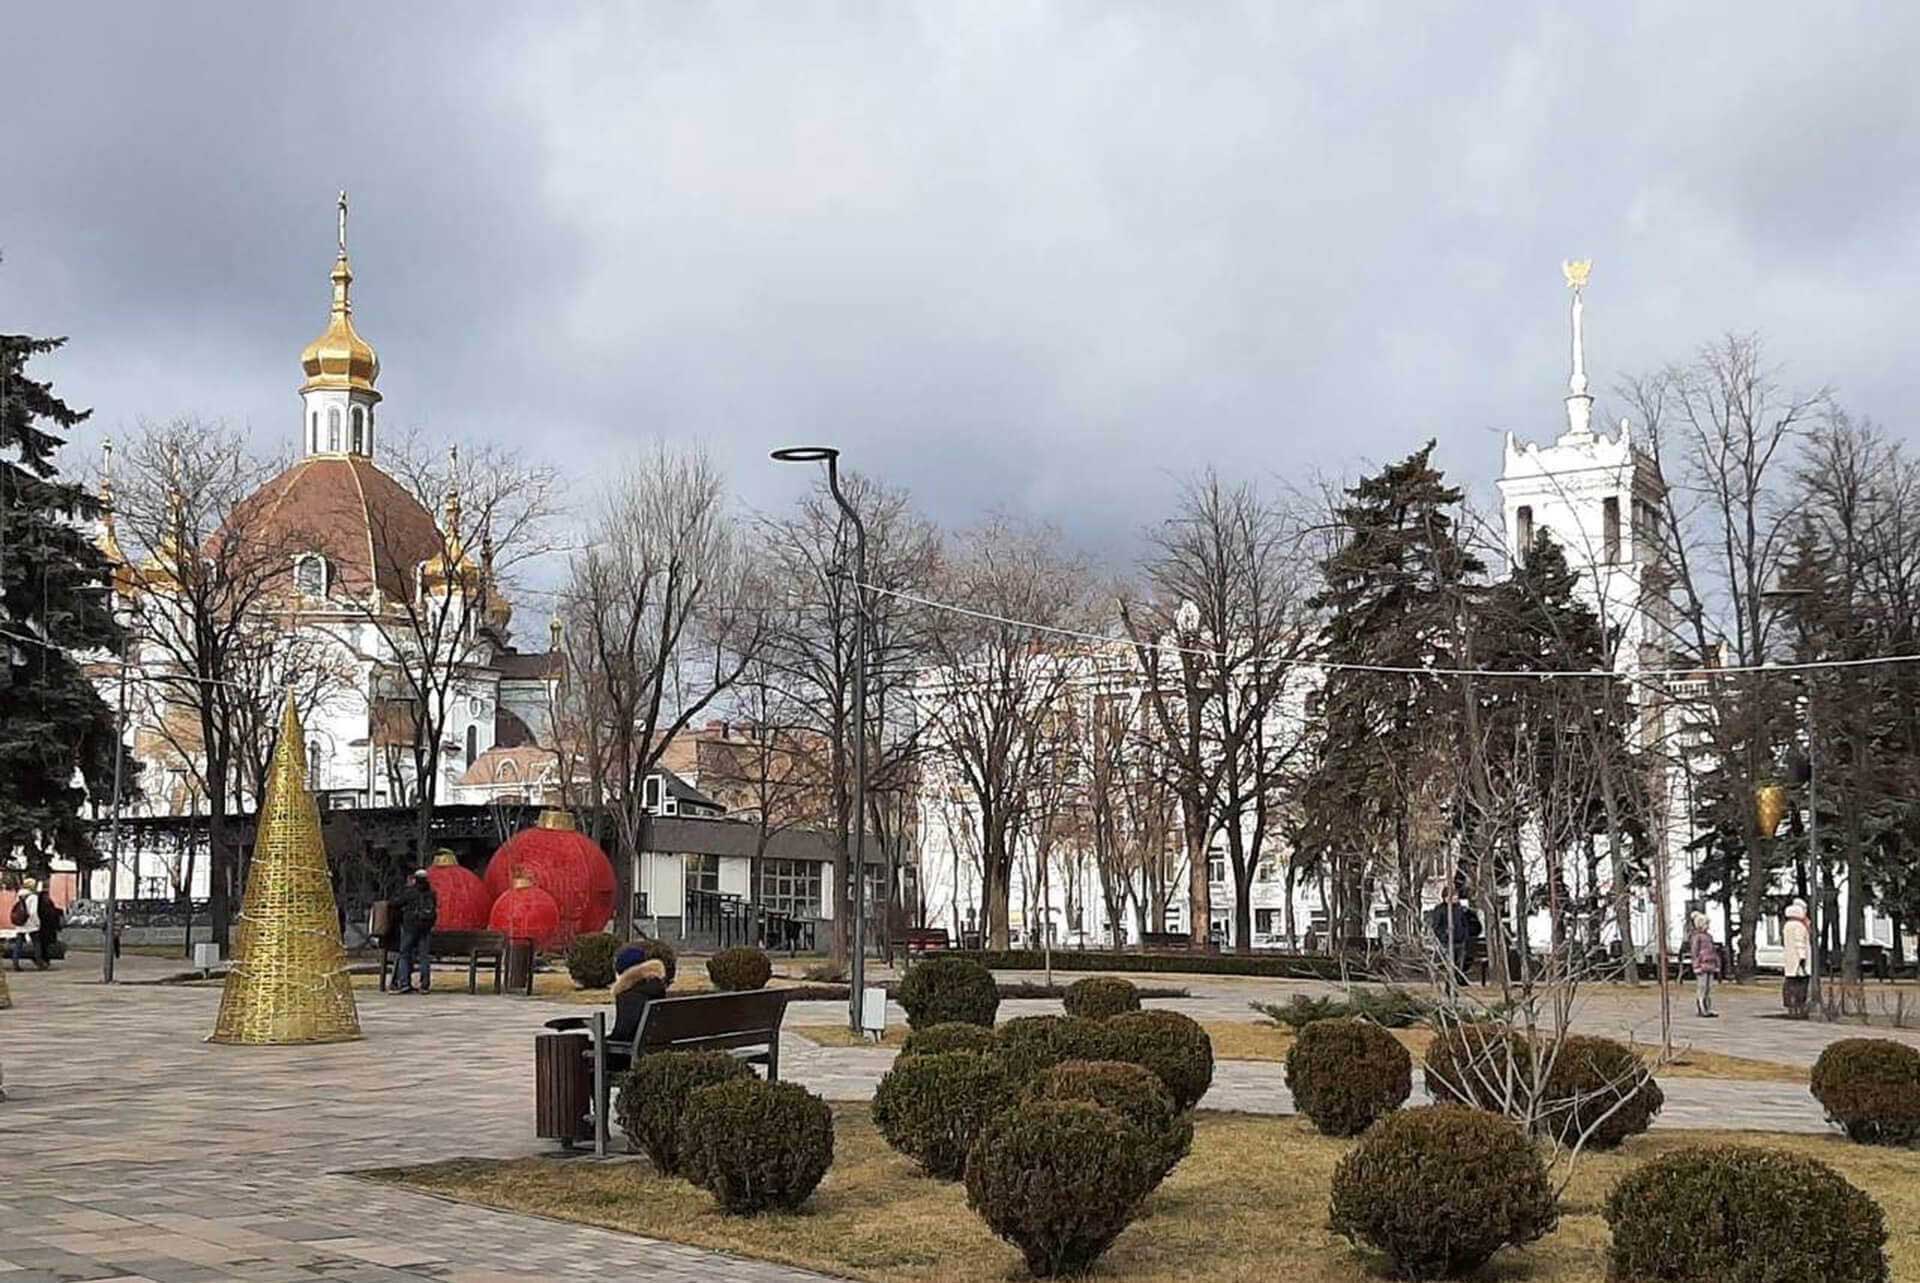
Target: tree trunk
(1199, 887)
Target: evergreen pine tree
(57, 736)
(1395, 587)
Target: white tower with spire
(338, 397)
(1599, 497)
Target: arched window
(313, 765)
(333, 430)
(359, 430)
(369, 430)
(310, 575)
(473, 743)
(313, 437)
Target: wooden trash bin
(563, 1087)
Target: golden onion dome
(451, 561)
(340, 358)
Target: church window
(333, 430)
(359, 430)
(310, 575)
(1522, 532)
(1610, 528)
(313, 765)
(313, 440)
(473, 743)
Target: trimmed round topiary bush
(1173, 1046)
(756, 1146)
(590, 960)
(1484, 1065)
(1345, 1074)
(1739, 1214)
(1440, 1188)
(955, 1035)
(1598, 1088)
(735, 970)
(932, 1107)
(1060, 1180)
(1129, 1091)
(1028, 1046)
(654, 1093)
(1098, 997)
(1870, 1087)
(941, 990)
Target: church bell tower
(341, 367)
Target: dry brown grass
(1251, 1040)
(1249, 1206)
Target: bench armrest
(570, 1022)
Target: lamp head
(806, 454)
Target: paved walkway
(135, 1151)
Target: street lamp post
(858, 875)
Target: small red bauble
(526, 912)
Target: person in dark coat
(638, 979)
(1455, 927)
(417, 909)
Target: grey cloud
(1027, 256)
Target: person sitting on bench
(637, 981)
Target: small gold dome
(340, 358)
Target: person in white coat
(1796, 959)
(27, 933)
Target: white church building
(359, 546)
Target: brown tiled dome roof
(366, 524)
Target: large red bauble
(566, 864)
(463, 898)
(526, 912)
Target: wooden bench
(746, 1024)
(453, 946)
(926, 940)
(1166, 941)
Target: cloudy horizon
(1035, 257)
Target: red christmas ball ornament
(561, 861)
(526, 912)
(464, 899)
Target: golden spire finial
(453, 498)
(340, 358)
(288, 983)
(1576, 271)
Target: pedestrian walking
(34, 920)
(418, 909)
(1704, 952)
(1796, 959)
(1455, 927)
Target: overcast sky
(1037, 256)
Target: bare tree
(660, 624)
(810, 651)
(434, 614)
(996, 677)
(214, 593)
(1724, 433)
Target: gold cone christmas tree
(288, 983)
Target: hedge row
(1285, 966)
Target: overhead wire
(1691, 672)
